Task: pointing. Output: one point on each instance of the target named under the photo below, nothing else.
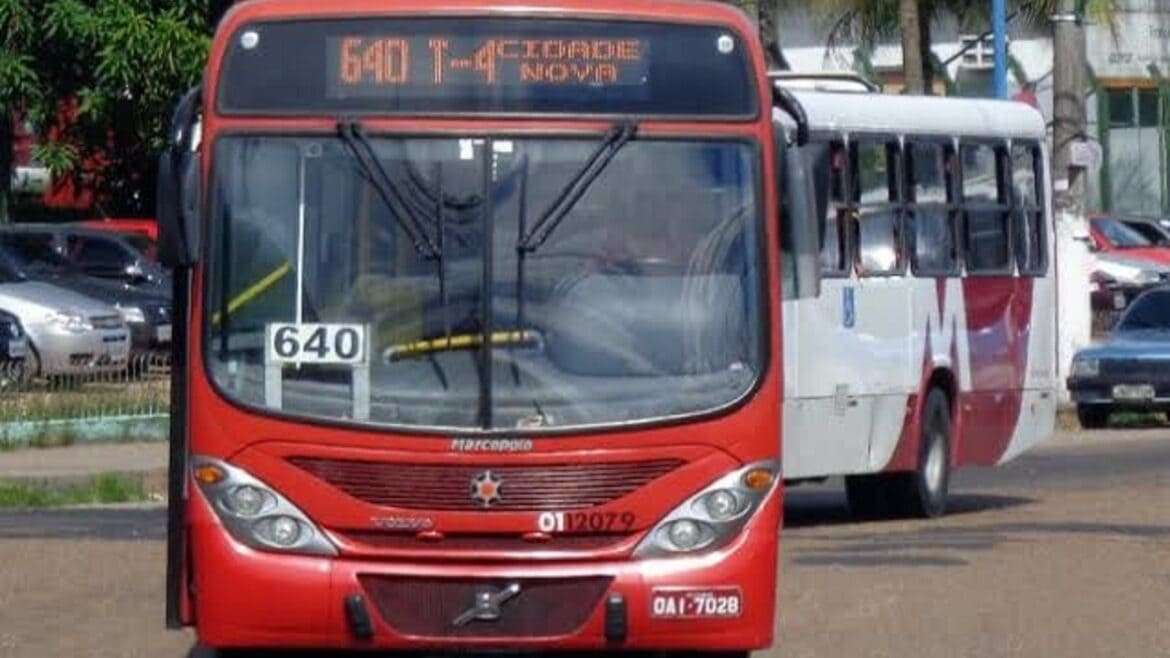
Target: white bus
(927, 340)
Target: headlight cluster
(714, 516)
(73, 322)
(1086, 367)
(254, 513)
(132, 314)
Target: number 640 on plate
(337, 344)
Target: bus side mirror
(180, 187)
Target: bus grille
(427, 607)
(524, 488)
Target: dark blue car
(1131, 370)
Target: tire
(1093, 417)
(921, 493)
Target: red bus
(478, 327)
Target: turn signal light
(209, 474)
(758, 479)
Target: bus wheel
(924, 492)
(1094, 417)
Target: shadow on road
(810, 509)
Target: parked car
(13, 350)
(144, 227)
(147, 312)
(1151, 230)
(1109, 235)
(68, 333)
(102, 254)
(1117, 278)
(1131, 369)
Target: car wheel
(32, 364)
(1093, 417)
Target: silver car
(68, 333)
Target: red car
(1110, 234)
(132, 226)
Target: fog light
(721, 505)
(247, 500)
(685, 534)
(282, 531)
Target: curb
(104, 429)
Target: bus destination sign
(485, 65)
(399, 64)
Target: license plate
(163, 333)
(716, 603)
(1133, 392)
(17, 348)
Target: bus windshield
(643, 304)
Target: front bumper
(246, 598)
(91, 352)
(1099, 391)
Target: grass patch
(106, 488)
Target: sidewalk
(79, 461)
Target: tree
(97, 80)
(868, 22)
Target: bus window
(929, 211)
(986, 211)
(878, 218)
(835, 247)
(1031, 252)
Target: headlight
(714, 516)
(1146, 277)
(256, 515)
(132, 314)
(71, 321)
(1086, 367)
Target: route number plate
(334, 344)
(712, 603)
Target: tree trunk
(924, 16)
(768, 36)
(912, 46)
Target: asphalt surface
(1064, 552)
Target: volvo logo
(486, 606)
(487, 489)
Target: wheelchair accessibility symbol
(848, 308)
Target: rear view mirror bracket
(180, 186)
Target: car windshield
(143, 245)
(1150, 312)
(642, 304)
(1119, 235)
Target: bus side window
(931, 214)
(835, 259)
(875, 193)
(986, 210)
(1028, 209)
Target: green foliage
(106, 488)
(98, 79)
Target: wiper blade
(354, 137)
(617, 137)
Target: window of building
(930, 211)
(986, 210)
(1134, 179)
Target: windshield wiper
(354, 137)
(617, 137)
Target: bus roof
(920, 115)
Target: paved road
(1064, 552)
